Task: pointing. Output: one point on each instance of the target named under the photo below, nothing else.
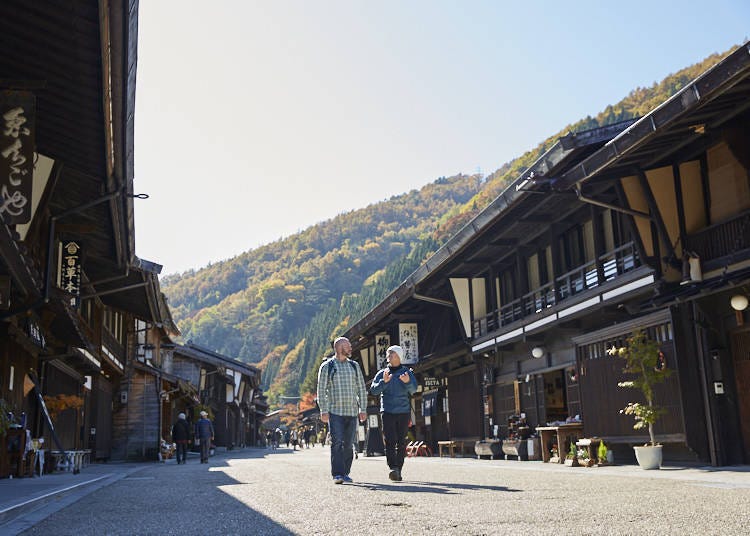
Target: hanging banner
(382, 342)
(17, 133)
(407, 336)
(429, 401)
(69, 270)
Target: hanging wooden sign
(69, 270)
(17, 133)
(382, 342)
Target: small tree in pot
(643, 359)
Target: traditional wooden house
(144, 399)
(71, 286)
(228, 389)
(645, 226)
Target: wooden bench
(461, 444)
(449, 445)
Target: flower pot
(649, 457)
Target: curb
(19, 517)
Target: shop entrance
(555, 396)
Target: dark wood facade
(79, 311)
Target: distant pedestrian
(395, 384)
(181, 436)
(322, 437)
(204, 433)
(277, 436)
(342, 397)
(295, 439)
(269, 439)
(286, 438)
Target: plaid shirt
(345, 394)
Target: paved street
(256, 491)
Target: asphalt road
(257, 491)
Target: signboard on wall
(69, 270)
(407, 336)
(430, 382)
(382, 342)
(17, 132)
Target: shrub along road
(258, 491)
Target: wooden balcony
(584, 278)
(721, 243)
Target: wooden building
(146, 395)
(228, 389)
(641, 225)
(83, 324)
(74, 297)
(67, 85)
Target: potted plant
(571, 458)
(603, 454)
(644, 360)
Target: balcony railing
(583, 278)
(113, 344)
(720, 240)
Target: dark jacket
(204, 429)
(394, 395)
(181, 431)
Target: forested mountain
(279, 305)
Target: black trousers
(395, 426)
(182, 452)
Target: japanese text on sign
(16, 155)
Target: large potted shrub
(645, 361)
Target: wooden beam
(656, 217)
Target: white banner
(407, 336)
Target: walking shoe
(398, 476)
(338, 479)
(394, 475)
(347, 479)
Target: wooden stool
(450, 445)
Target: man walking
(395, 384)
(204, 432)
(342, 398)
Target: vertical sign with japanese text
(17, 132)
(69, 270)
(407, 336)
(382, 342)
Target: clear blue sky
(256, 119)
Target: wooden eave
(513, 217)
(207, 356)
(705, 105)
(79, 60)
